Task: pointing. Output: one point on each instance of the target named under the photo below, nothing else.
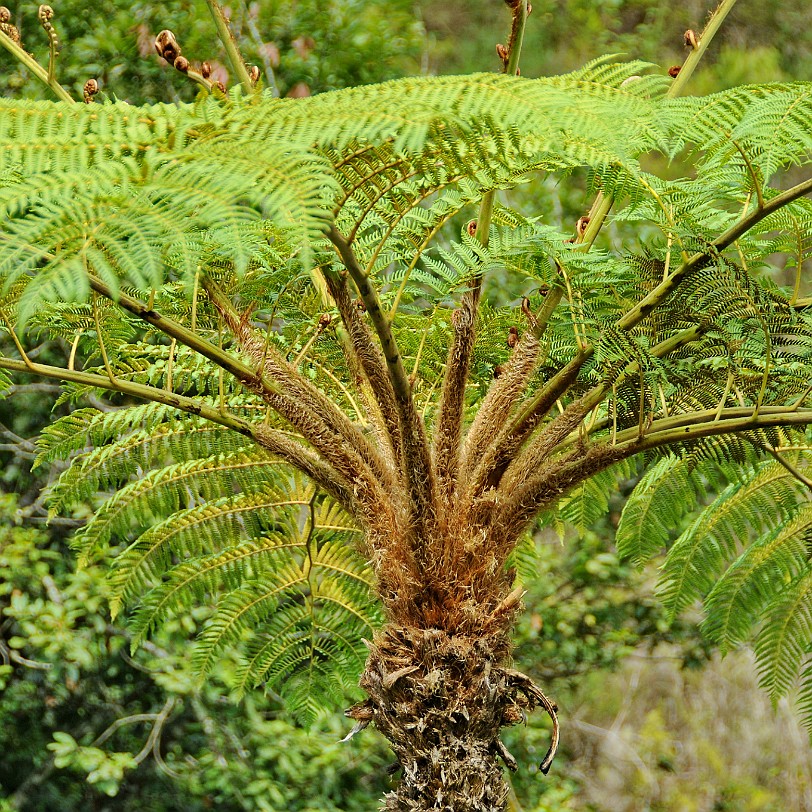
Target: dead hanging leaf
(390, 679)
(356, 728)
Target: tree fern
(310, 276)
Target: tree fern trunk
(441, 701)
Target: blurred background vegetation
(653, 720)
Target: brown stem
(503, 393)
(450, 412)
(451, 408)
(510, 439)
(277, 442)
(364, 353)
(416, 455)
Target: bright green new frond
(605, 74)
(112, 207)
(45, 137)
(771, 129)
(146, 178)
(409, 110)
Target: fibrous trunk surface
(441, 701)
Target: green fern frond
(199, 579)
(804, 701)
(758, 575)
(168, 490)
(138, 451)
(664, 494)
(786, 636)
(587, 503)
(189, 533)
(699, 555)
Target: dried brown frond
(518, 508)
(499, 402)
(448, 426)
(367, 356)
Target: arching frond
(746, 553)
(699, 556)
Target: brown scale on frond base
(674, 70)
(441, 701)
